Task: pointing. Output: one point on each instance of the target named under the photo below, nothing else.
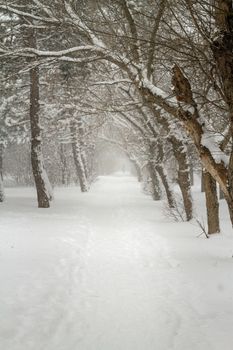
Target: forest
(154, 83)
(135, 88)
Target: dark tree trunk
(2, 195)
(212, 204)
(221, 194)
(43, 188)
(202, 181)
(40, 176)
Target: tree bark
(78, 162)
(221, 194)
(2, 194)
(184, 178)
(163, 176)
(202, 181)
(43, 187)
(82, 146)
(180, 153)
(191, 174)
(64, 167)
(212, 204)
(156, 191)
(158, 163)
(137, 168)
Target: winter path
(106, 271)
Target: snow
(210, 141)
(105, 270)
(157, 91)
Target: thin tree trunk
(40, 176)
(159, 154)
(163, 176)
(78, 162)
(191, 173)
(43, 187)
(64, 167)
(137, 168)
(212, 204)
(221, 194)
(2, 194)
(183, 179)
(202, 181)
(156, 191)
(82, 145)
(180, 153)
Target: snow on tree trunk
(64, 166)
(191, 174)
(162, 173)
(156, 191)
(78, 161)
(212, 204)
(156, 149)
(184, 178)
(2, 195)
(43, 187)
(189, 114)
(82, 145)
(180, 153)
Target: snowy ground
(106, 271)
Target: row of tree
(153, 78)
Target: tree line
(152, 77)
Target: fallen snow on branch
(209, 140)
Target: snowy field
(107, 271)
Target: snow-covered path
(105, 271)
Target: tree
(143, 47)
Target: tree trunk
(180, 153)
(221, 194)
(2, 195)
(156, 191)
(137, 168)
(202, 181)
(78, 162)
(212, 204)
(184, 184)
(163, 176)
(82, 145)
(159, 155)
(43, 187)
(191, 174)
(64, 167)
